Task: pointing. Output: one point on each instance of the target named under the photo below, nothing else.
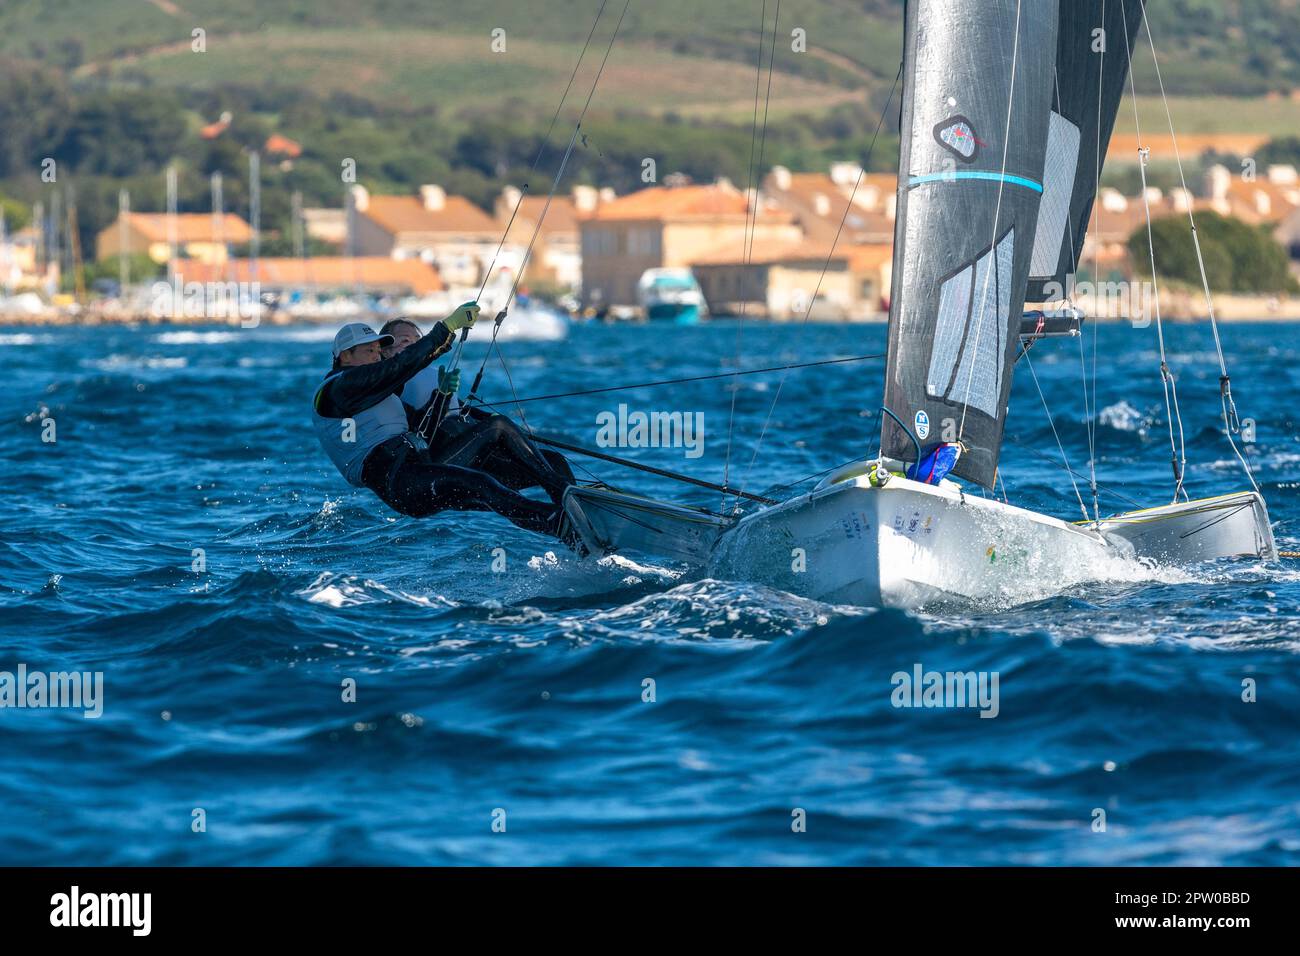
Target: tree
(16, 214)
(1285, 150)
(1238, 257)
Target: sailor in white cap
(370, 434)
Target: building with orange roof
(1267, 196)
(375, 274)
(213, 130)
(669, 226)
(282, 146)
(780, 279)
(199, 235)
(863, 203)
(557, 255)
(449, 232)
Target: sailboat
(1007, 111)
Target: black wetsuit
(403, 473)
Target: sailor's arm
(361, 386)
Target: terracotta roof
(770, 253)
(663, 203)
(329, 272)
(820, 205)
(213, 130)
(561, 217)
(398, 214)
(866, 256)
(277, 145)
(190, 227)
(1262, 200)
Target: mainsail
(978, 92)
(1091, 71)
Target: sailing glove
(466, 315)
(448, 382)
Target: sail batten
(974, 140)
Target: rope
(825, 267)
(1231, 421)
(638, 466)
(1177, 451)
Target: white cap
(357, 333)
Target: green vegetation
(113, 91)
(140, 268)
(1238, 257)
(16, 214)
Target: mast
(123, 242)
(973, 143)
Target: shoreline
(1175, 306)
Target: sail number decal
(956, 135)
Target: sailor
(369, 434)
(471, 437)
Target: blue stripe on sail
(975, 174)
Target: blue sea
(184, 536)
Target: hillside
(672, 55)
(413, 93)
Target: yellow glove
(464, 317)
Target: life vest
(420, 388)
(368, 430)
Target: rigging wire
(541, 148)
(1055, 434)
(514, 288)
(1177, 451)
(1096, 274)
(682, 381)
(825, 268)
(1231, 421)
(754, 188)
(1074, 258)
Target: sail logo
(958, 137)
(922, 421)
(638, 429)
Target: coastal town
(800, 245)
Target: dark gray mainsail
(976, 101)
(1092, 66)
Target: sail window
(1058, 188)
(959, 329)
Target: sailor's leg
(559, 464)
(465, 489)
(498, 446)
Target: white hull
(911, 545)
